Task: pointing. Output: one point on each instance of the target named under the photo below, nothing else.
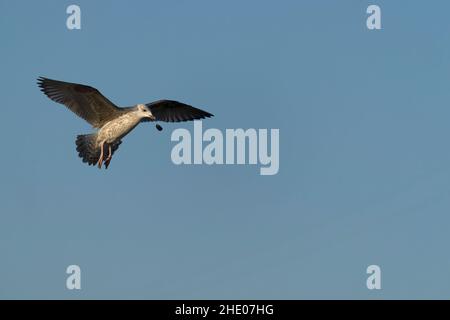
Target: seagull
(113, 122)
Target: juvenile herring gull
(113, 122)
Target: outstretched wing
(174, 111)
(87, 102)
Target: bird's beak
(152, 117)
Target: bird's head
(144, 112)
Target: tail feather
(88, 149)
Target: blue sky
(364, 160)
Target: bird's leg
(108, 159)
(100, 160)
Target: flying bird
(113, 122)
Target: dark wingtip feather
(41, 81)
(205, 115)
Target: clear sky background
(364, 151)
